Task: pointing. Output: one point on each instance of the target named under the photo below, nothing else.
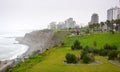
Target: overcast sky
(37, 14)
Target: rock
(37, 40)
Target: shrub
(72, 47)
(118, 57)
(76, 45)
(62, 44)
(89, 49)
(83, 53)
(112, 55)
(110, 47)
(87, 57)
(91, 56)
(97, 51)
(103, 52)
(113, 47)
(71, 58)
(112, 31)
(107, 47)
(95, 43)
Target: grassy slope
(101, 39)
(59, 35)
(52, 60)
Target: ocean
(9, 47)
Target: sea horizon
(9, 47)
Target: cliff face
(38, 41)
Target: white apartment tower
(70, 23)
(113, 13)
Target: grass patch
(52, 60)
(100, 38)
(29, 63)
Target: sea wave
(9, 47)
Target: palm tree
(108, 24)
(117, 22)
(101, 25)
(94, 26)
(91, 26)
(111, 25)
(97, 26)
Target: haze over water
(9, 47)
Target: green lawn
(53, 59)
(100, 38)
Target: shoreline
(19, 39)
(9, 63)
(37, 42)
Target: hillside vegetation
(53, 59)
(100, 38)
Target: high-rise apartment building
(113, 13)
(94, 18)
(70, 23)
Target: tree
(71, 58)
(94, 26)
(110, 47)
(112, 55)
(102, 24)
(103, 52)
(108, 24)
(88, 49)
(83, 53)
(91, 26)
(112, 22)
(117, 22)
(87, 57)
(76, 45)
(97, 26)
(97, 51)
